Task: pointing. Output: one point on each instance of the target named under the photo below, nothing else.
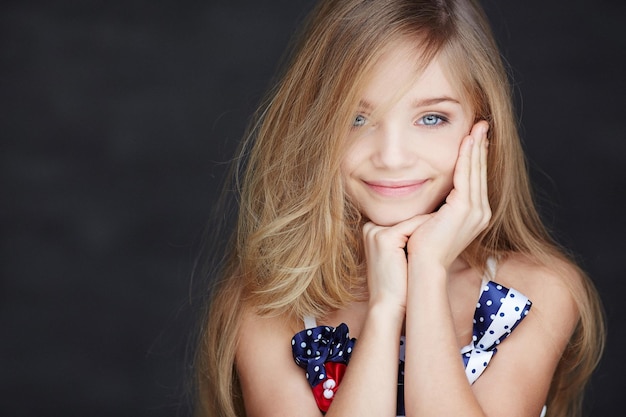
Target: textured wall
(116, 119)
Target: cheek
(445, 158)
(353, 160)
(348, 166)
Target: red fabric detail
(334, 371)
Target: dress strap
(309, 322)
(490, 270)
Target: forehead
(402, 73)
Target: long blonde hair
(296, 249)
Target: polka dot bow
(498, 312)
(323, 352)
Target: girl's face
(404, 141)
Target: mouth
(394, 188)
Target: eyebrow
(363, 104)
(434, 100)
(430, 101)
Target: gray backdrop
(116, 119)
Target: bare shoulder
(272, 384)
(553, 289)
(529, 276)
(253, 323)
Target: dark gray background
(116, 118)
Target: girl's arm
(273, 385)
(517, 381)
(435, 382)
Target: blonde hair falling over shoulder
(296, 249)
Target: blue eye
(359, 120)
(432, 120)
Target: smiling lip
(394, 188)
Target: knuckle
(380, 235)
(368, 229)
(485, 217)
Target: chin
(394, 215)
(391, 219)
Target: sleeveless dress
(324, 352)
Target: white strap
(309, 322)
(491, 268)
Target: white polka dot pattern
(498, 311)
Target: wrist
(386, 311)
(427, 270)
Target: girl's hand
(443, 235)
(438, 237)
(387, 266)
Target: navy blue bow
(498, 312)
(313, 347)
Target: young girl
(387, 251)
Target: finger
(402, 231)
(409, 226)
(460, 179)
(475, 167)
(385, 236)
(483, 174)
(473, 193)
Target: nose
(393, 149)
